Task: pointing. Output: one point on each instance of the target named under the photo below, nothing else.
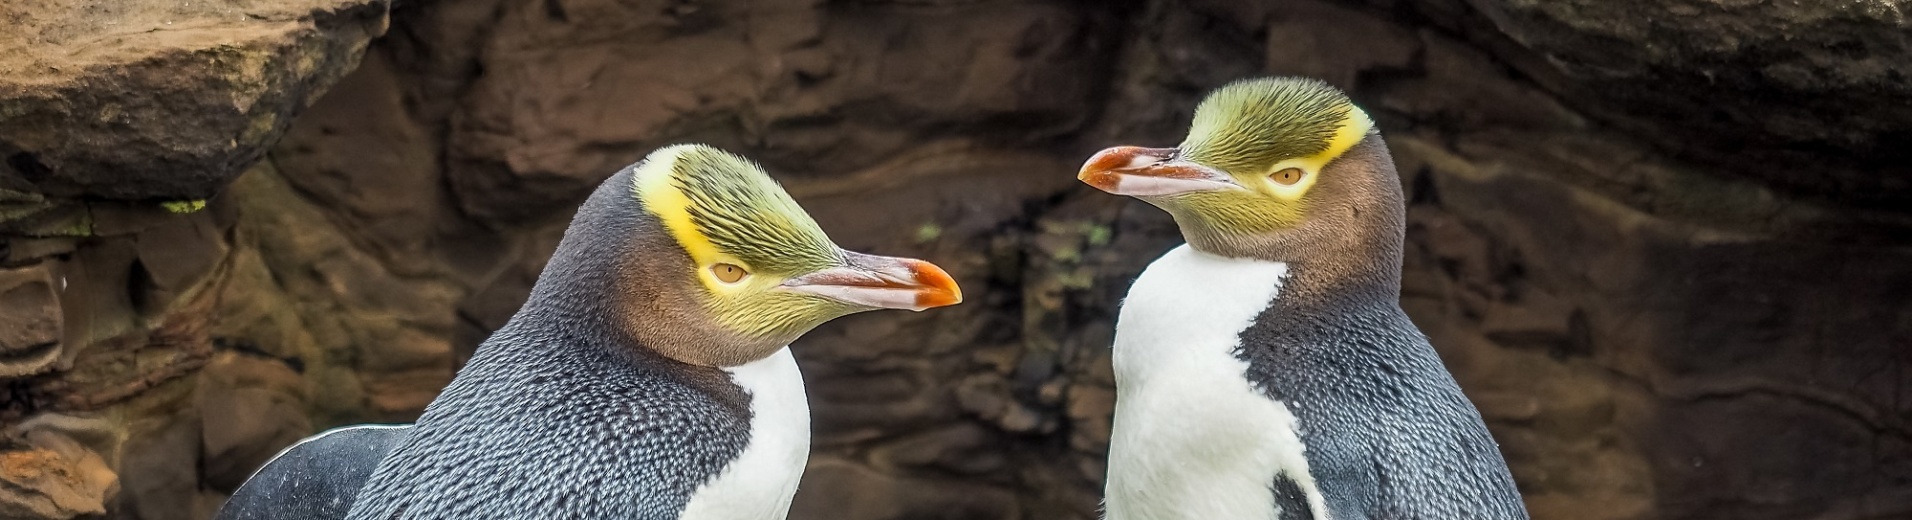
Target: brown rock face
(108, 297)
(152, 99)
(1768, 82)
(30, 330)
(54, 477)
(1664, 246)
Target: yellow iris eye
(1287, 176)
(729, 273)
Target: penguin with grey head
(1265, 369)
(648, 376)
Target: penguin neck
(571, 295)
(1332, 291)
(1361, 266)
(1365, 269)
(578, 291)
(1360, 253)
(590, 289)
(575, 317)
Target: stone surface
(30, 329)
(248, 404)
(159, 470)
(152, 99)
(1660, 244)
(120, 125)
(1707, 74)
(53, 476)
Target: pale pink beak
(1150, 172)
(882, 282)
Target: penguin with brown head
(648, 375)
(1265, 369)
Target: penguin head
(726, 268)
(1284, 169)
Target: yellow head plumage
(1251, 165)
(764, 271)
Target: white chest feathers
(1193, 438)
(758, 485)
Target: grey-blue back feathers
(538, 427)
(1389, 434)
(316, 479)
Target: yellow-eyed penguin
(647, 377)
(1265, 369)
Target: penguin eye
(729, 273)
(1287, 176)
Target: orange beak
(1150, 172)
(882, 282)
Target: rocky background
(1666, 246)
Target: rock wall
(1663, 245)
(120, 394)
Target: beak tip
(939, 289)
(933, 298)
(1099, 179)
(869, 282)
(1099, 170)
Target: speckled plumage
(1388, 433)
(561, 430)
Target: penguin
(648, 375)
(1264, 369)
